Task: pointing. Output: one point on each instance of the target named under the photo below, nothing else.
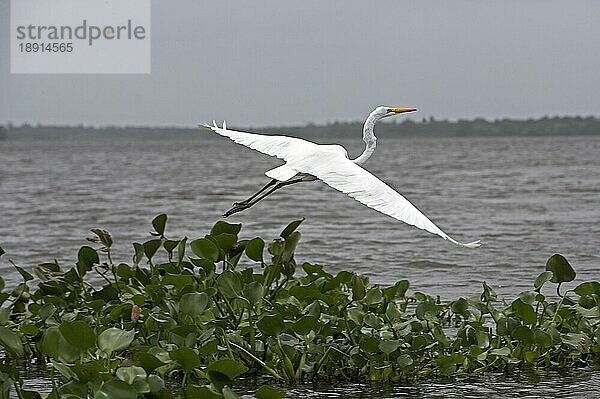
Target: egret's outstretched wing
(344, 175)
(282, 147)
(330, 164)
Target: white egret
(308, 161)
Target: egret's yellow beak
(401, 110)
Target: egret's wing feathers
(282, 147)
(281, 173)
(349, 178)
(330, 164)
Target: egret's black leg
(269, 184)
(245, 205)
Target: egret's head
(384, 112)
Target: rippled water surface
(579, 383)
(526, 198)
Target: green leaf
(229, 284)
(374, 296)
(116, 389)
(181, 250)
(72, 390)
(226, 241)
(523, 334)
(148, 361)
(527, 297)
(590, 287)
(373, 320)
(531, 356)
(579, 342)
(488, 293)
(460, 306)
(57, 347)
(269, 392)
(218, 381)
(427, 311)
(289, 246)
(313, 309)
(504, 351)
(223, 227)
(24, 273)
(358, 288)
(27, 329)
(207, 265)
(150, 247)
(138, 253)
(88, 371)
(402, 286)
(370, 344)
(542, 338)
(392, 312)
(290, 228)
(159, 223)
(483, 339)
(254, 249)
(542, 279)
(446, 365)
(131, 374)
(228, 393)
(306, 292)
(104, 236)
(78, 333)
(404, 360)
(107, 293)
(86, 258)
(11, 342)
(193, 303)
(186, 357)
(387, 346)
(306, 324)
(229, 367)
(170, 245)
(178, 280)
(64, 369)
(310, 268)
(524, 311)
(253, 292)
(271, 325)
(155, 383)
(205, 248)
(561, 269)
(26, 394)
(114, 339)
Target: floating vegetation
(187, 317)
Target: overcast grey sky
(259, 63)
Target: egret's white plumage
(330, 163)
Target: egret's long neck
(369, 139)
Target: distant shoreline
(546, 126)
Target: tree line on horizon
(546, 126)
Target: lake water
(525, 198)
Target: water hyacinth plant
(186, 318)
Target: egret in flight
(308, 161)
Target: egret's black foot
(237, 207)
(241, 203)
